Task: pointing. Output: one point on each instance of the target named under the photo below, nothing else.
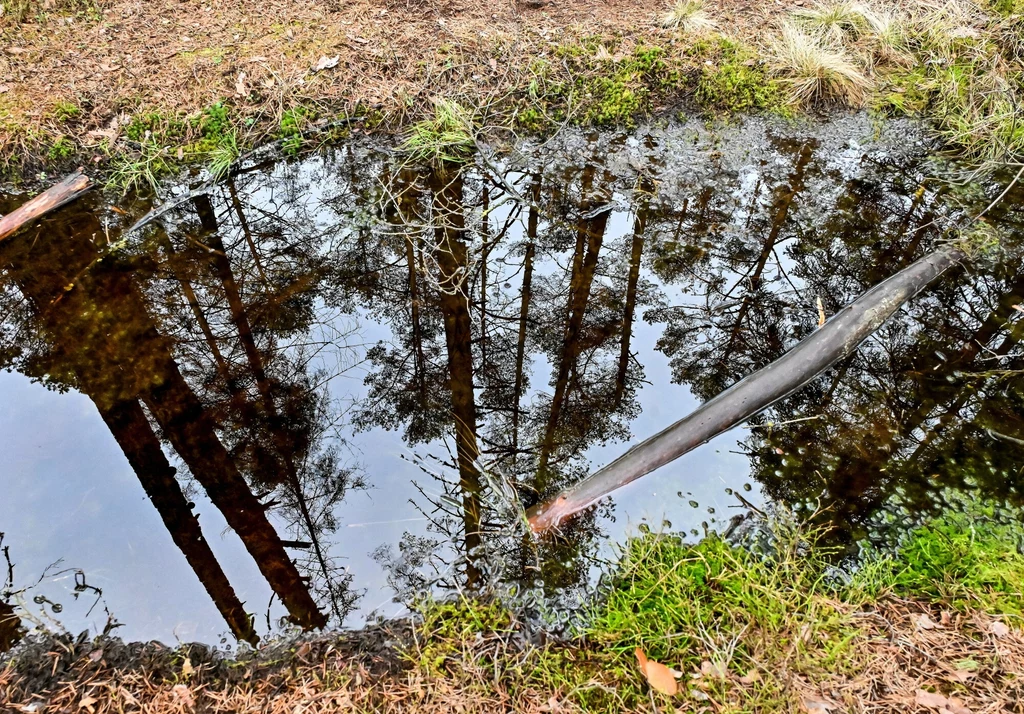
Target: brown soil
(908, 658)
(179, 56)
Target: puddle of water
(274, 404)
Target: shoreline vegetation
(766, 625)
(219, 90)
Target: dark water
(332, 384)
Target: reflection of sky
(69, 493)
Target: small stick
(49, 200)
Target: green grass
(968, 557)
(141, 169)
(293, 122)
(449, 136)
(736, 80)
(64, 111)
(63, 148)
(736, 621)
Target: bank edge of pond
(958, 65)
(936, 625)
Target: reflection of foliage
(900, 414)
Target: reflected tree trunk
(133, 433)
(753, 278)
(243, 224)
(91, 308)
(589, 238)
(192, 433)
(197, 311)
(451, 257)
(524, 308)
(10, 627)
(636, 253)
(279, 433)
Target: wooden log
(51, 199)
(833, 341)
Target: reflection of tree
(95, 332)
(480, 288)
(739, 329)
(464, 265)
(275, 416)
(11, 631)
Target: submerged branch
(836, 339)
(49, 200)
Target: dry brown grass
(906, 657)
(817, 68)
(139, 56)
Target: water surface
(331, 384)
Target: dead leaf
(934, 700)
(945, 618)
(240, 89)
(929, 699)
(716, 670)
(553, 705)
(999, 629)
(183, 694)
(187, 669)
(326, 63)
(4, 88)
(817, 706)
(923, 622)
(750, 677)
(88, 702)
(957, 707)
(494, 64)
(96, 655)
(960, 676)
(821, 312)
(658, 675)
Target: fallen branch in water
(831, 342)
(49, 200)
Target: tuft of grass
(689, 16)
(293, 122)
(815, 70)
(834, 21)
(224, 154)
(64, 111)
(61, 149)
(887, 39)
(447, 137)
(141, 169)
